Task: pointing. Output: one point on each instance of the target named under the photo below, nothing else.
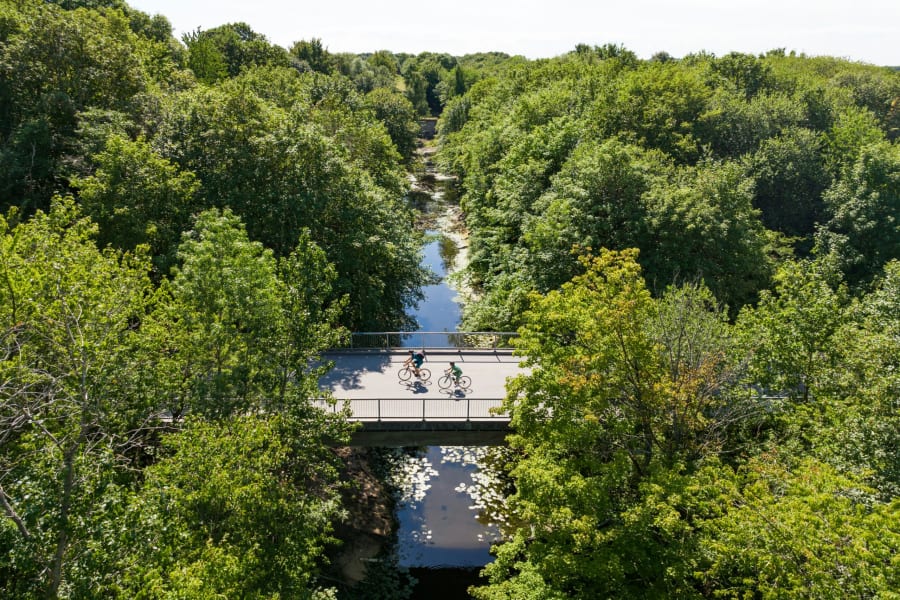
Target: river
(443, 536)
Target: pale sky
(859, 30)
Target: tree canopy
(737, 161)
(701, 255)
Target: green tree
(205, 59)
(732, 125)
(657, 106)
(240, 328)
(71, 413)
(747, 73)
(426, 71)
(398, 116)
(864, 206)
(801, 532)
(225, 311)
(853, 130)
(860, 423)
(235, 47)
(137, 197)
(625, 399)
(703, 225)
(789, 333)
(61, 63)
(313, 54)
(594, 201)
(310, 320)
(416, 89)
(384, 61)
(332, 170)
(790, 179)
(241, 508)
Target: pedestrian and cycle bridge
(366, 377)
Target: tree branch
(11, 513)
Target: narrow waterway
(437, 513)
(443, 535)
(440, 309)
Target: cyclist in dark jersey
(415, 361)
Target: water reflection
(448, 251)
(446, 495)
(440, 509)
(439, 309)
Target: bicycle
(407, 371)
(448, 380)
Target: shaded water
(439, 509)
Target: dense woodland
(701, 254)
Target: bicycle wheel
(464, 382)
(445, 382)
(404, 374)
(424, 374)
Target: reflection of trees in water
(384, 577)
(491, 486)
(447, 190)
(419, 199)
(448, 251)
(408, 472)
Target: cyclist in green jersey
(455, 371)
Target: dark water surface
(438, 512)
(445, 584)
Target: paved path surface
(370, 381)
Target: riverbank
(370, 521)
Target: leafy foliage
(137, 197)
(93, 356)
(864, 230)
(68, 404)
(796, 125)
(240, 508)
(56, 64)
(628, 425)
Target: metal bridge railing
(419, 409)
(431, 339)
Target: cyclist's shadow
(416, 387)
(456, 392)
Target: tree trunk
(62, 539)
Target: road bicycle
(447, 381)
(407, 371)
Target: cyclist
(415, 361)
(455, 371)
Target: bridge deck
(369, 381)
